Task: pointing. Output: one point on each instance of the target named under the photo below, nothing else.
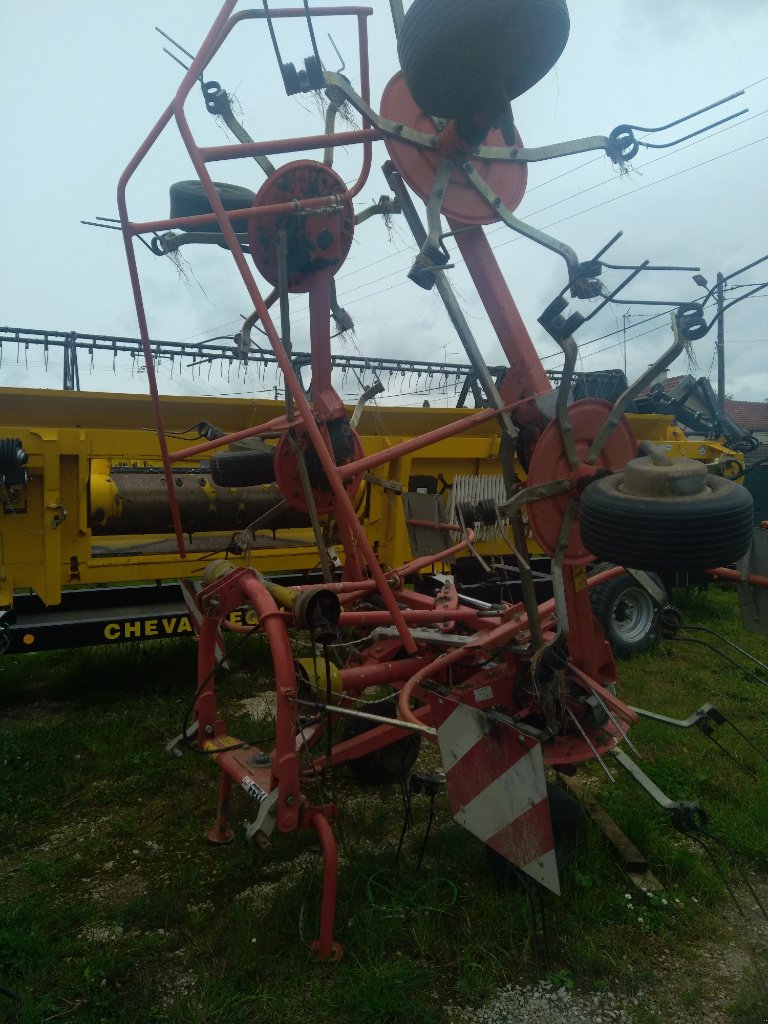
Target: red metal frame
(404, 662)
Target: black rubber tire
(471, 57)
(627, 613)
(243, 469)
(388, 764)
(569, 831)
(343, 446)
(697, 532)
(188, 199)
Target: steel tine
(688, 117)
(173, 42)
(589, 742)
(692, 135)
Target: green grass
(115, 908)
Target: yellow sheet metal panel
(75, 440)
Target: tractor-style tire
(627, 613)
(188, 199)
(387, 764)
(243, 469)
(569, 831)
(698, 532)
(463, 58)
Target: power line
(562, 220)
(533, 188)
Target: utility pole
(720, 293)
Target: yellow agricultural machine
(88, 508)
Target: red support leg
(221, 833)
(325, 948)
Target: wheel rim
(633, 615)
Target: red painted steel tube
(421, 563)
(424, 440)
(416, 617)
(324, 397)
(526, 374)
(278, 423)
(235, 151)
(285, 762)
(733, 574)
(374, 673)
(247, 213)
(403, 698)
(205, 704)
(492, 639)
(325, 946)
(344, 510)
(133, 271)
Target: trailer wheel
(243, 469)
(701, 531)
(466, 57)
(387, 764)
(188, 199)
(569, 831)
(627, 613)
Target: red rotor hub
(549, 462)
(319, 238)
(288, 478)
(418, 165)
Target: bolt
(497, 201)
(513, 153)
(399, 128)
(209, 730)
(289, 800)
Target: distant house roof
(749, 415)
(666, 386)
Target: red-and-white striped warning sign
(497, 789)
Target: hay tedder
(505, 689)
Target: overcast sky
(83, 82)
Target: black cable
(716, 650)
(718, 870)
(736, 862)
(428, 829)
(328, 712)
(407, 818)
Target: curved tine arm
(664, 360)
(534, 154)
(528, 494)
(558, 583)
(224, 111)
(508, 218)
(571, 353)
(382, 124)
